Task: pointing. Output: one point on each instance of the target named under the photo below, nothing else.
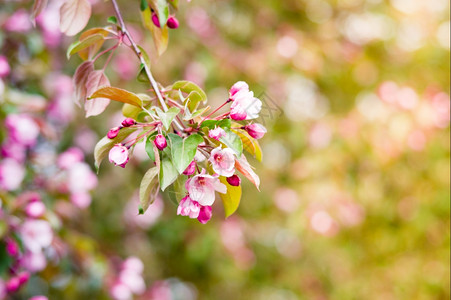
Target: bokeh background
(354, 200)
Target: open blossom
(119, 155)
(223, 161)
(36, 234)
(257, 131)
(11, 174)
(22, 129)
(188, 207)
(216, 133)
(204, 214)
(245, 106)
(202, 188)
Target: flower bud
(237, 87)
(35, 209)
(23, 277)
(160, 142)
(234, 180)
(173, 23)
(257, 131)
(155, 20)
(119, 155)
(128, 122)
(12, 248)
(204, 214)
(113, 132)
(190, 169)
(12, 285)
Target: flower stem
(218, 108)
(143, 62)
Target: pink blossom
(119, 155)
(202, 188)
(11, 174)
(12, 248)
(188, 207)
(149, 217)
(204, 214)
(128, 122)
(34, 261)
(81, 178)
(245, 106)
(234, 180)
(39, 297)
(223, 161)
(4, 66)
(216, 133)
(14, 150)
(257, 131)
(160, 142)
(18, 22)
(133, 281)
(22, 129)
(81, 200)
(69, 157)
(23, 277)
(35, 209)
(190, 169)
(12, 285)
(173, 23)
(120, 291)
(134, 264)
(36, 234)
(237, 87)
(113, 132)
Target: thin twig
(141, 59)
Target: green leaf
(178, 190)
(188, 116)
(130, 111)
(174, 3)
(105, 144)
(148, 190)
(211, 124)
(167, 117)
(83, 44)
(168, 172)
(183, 150)
(231, 199)
(112, 20)
(143, 5)
(161, 8)
(117, 94)
(195, 93)
(232, 141)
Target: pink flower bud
(23, 277)
(173, 23)
(190, 169)
(35, 209)
(155, 20)
(257, 131)
(12, 285)
(119, 155)
(238, 115)
(234, 180)
(204, 214)
(39, 297)
(128, 122)
(237, 87)
(160, 142)
(113, 132)
(12, 248)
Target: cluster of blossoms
(129, 280)
(215, 155)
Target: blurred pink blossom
(36, 234)
(150, 216)
(22, 129)
(18, 22)
(4, 67)
(11, 174)
(323, 223)
(70, 157)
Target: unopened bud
(12, 285)
(113, 132)
(160, 142)
(128, 122)
(173, 23)
(234, 180)
(257, 131)
(12, 248)
(23, 277)
(155, 20)
(190, 169)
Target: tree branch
(143, 62)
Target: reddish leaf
(96, 79)
(80, 79)
(89, 52)
(245, 168)
(74, 15)
(117, 94)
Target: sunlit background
(354, 200)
